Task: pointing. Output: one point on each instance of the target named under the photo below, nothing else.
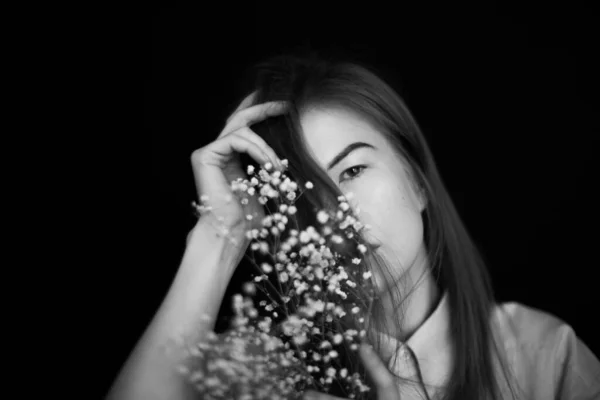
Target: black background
(507, 98)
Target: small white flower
(337, 338)
(249, 288)
(266, 268)
(325, 344)
(333, 354)
(351, 332)
(331, 371)
(292, 210)
(264, 247)
(268, 166)
(304, 237)
(337, 239)
(356, 261)
(250, 169)
(322, 216)
(300, 287)
(281, 256)
(283, 277)
(300, 340)
(362, 248)
(339, 311)
(355, 310)
(309, 185)
(343, 372)
(367, 275)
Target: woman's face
(377, 178)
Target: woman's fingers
(218, 152)
(248, 134)
(383, 379)
(247, 102)
(254, 114)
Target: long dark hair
(309, 79)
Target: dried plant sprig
(317, 302)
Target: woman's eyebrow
(347, 150)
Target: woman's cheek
(372, 198)
(394, 221)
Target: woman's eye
(353, 172)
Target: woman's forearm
(189, 310)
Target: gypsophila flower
(283, 277)
(309, 289)
(322, 217)
(266, 268)
(337, 338)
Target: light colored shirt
(543, 353)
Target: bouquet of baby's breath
(315, 297)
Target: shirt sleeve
(579, 375)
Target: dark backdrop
(506, 98)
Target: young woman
(344, 129)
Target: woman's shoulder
(529, 325)
(545, 352)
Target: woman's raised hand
(218, 163)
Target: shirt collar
(431, 344)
